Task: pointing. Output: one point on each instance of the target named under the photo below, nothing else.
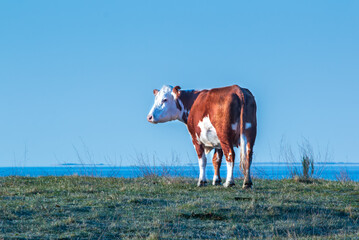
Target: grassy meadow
(174, 208)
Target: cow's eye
(164, 100)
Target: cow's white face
(165, 107)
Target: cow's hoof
(201, 183)
(247, 185)
(217, 182)
(228, 184)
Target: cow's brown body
(225, 107)
(220, 119)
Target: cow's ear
(155, 91)
(176, 91)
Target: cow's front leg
(217, 160)
(229, 154)
(202, 162)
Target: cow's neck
(187, 98)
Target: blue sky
(80, 74)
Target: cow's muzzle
(150, 118)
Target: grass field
(174, 208)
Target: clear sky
(81, 73)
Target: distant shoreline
(186, 165)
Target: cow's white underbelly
(208, 136)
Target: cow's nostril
(149, 118)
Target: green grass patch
(174, 208)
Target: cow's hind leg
(246, 159)
(217, 160)
(229, 154)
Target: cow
(219, 119)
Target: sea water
(329, 171)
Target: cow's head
(166, 107)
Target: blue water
(329, 171)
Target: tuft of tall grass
(343, 176)
(302, 166)
(308, 167)
(149, 165)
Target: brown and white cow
(219, 118)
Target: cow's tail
(242, 138)
(243, 141)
